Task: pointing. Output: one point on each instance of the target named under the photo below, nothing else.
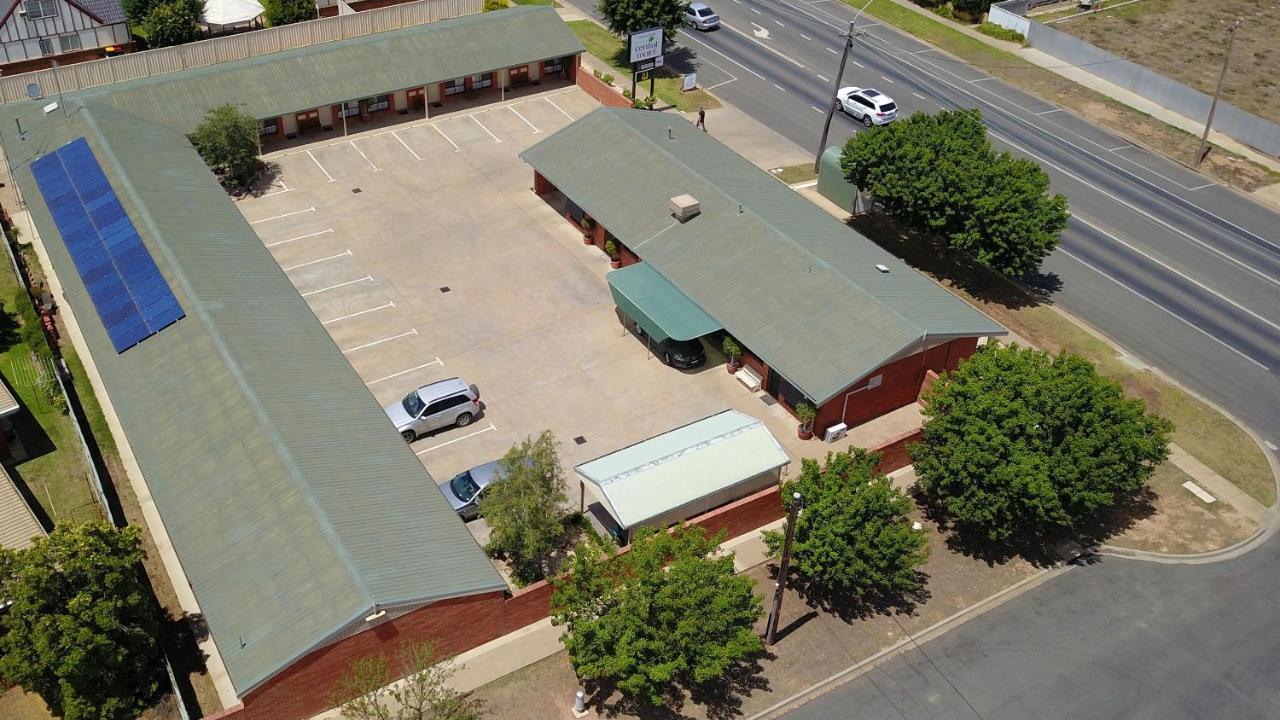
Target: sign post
(644, 48)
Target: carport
(682, 473)
(661, 310)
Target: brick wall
(596, 88)
(893, 454)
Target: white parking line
(317, 162)
(405, 372)
(288, 214)
(366, 278)
(317, 262)
(358, 314)
(300, 237)
(284, 189)
(366, 157)
(482, 127)
(457, 439)
(756, 11)
(367, 345)
(415, 155)
(525, 119)
(446, 137)
(554, 105)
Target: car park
(700, 16)
(867, 105)
(464, 490)
(437, 405)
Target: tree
(287, 12)
(228, 142)
(525, 506)
(491, 5)
(81, 631)
(1018, 443)
(663, 617)
(971, 7)
(853, 539)
(172, 23)
(938, 173)
(424, 694)
(625, 16)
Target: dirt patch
(1182, 523)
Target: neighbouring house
(228, 16)
(35, 33)
(711, 244)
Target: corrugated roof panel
(18, 524)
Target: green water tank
(831, 182)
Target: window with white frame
(39, 9)
(455, 86)
(267, 127)
(483, 80)
(551, 67)
(349, 109)
(382, 102)
(69, 42)
(46, 46)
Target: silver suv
(434, 406)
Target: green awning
(657, 306)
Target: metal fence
(144, 64)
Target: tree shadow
(1127, 512)
(850, 608)
(262, 183)
(720, 699)
(9, 335)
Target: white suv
(872, 107)
(434, 406)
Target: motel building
(709, 244)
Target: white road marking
(317, 162)
(411, 332)
(366, 157)
(779, 24)
(833, 51)
(855, 62)
(1201, 187)
(755, 11)
(921, 52)
(882, 77)
(415, 155)
(405, 372)
(299, 266)
(384, 306)
(457, 439)
(285, 189)
(918, 95)
(1050, 112)
(1122, 147)
(288, 214)
(366, 278)
(779, 87)
(446, 137)
(722, 82)
(525, 119)
(300, 237)
(756, 40)
(823, 78)
(815, 107)
(482, 127)
(806, 37)
(1199, 492)
(1271, 446)
(554, 105)
(983, 79)
(726, 57)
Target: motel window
(37, 9)
(453, 87)
(552, 66)
(350, 109)
(46, 46)
(382, 102)
(69, 42)
(267, 127)
(483, 80)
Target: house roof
(108, 11)
(673, 469)
(18, 524)
(293, 505)
(796, 286)
(662, 310)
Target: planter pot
(615, 264)
(733, 366)
(587, 239)
(804, 433)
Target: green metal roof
(647, 479)
(796, 286)
(292, 503)
(664, 312)
(333, 72)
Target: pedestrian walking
(702, 119)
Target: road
(1176, 268)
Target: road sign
(645, 44)
(690, 82)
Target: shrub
(1001, 33)
(491, 5)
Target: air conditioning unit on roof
(684, 207)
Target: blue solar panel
(131, 296)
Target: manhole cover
(580, 440)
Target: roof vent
(685, 207)
(882, 268)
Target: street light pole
(835, 88)
(1213, 107)
(784, 566)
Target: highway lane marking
(756, 11)
(288, 214)
(317, 162)
(756, 40)
(984, 79)
(831, 50)
(406, 145)
(1133, 162)
(1122, 147)
(815, 107)
(779, 24)
(446, 137)
(823, 78)
(366, 157)
(457, 439)
(722, 82)
(384, 306)
(1050, 112)
(919, 95)
(410, 333)
(1271, 445)
(779, 87)
(300, 237)
(855, 62)
(921, 52)
(309, 263)
(1201, 187)
(1171, 313)
(366, 278)
(882, 77)
(405, 372)
(726, 57)
(806, 37)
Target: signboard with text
(645, 44)
(690, 82)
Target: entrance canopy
(657, 306)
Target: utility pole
(835, 87)
(771, 629)
(1213, 107)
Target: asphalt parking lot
(423, 250)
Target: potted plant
(611, 249)
(733, 351)
(805, 413)
(588, 225)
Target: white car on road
(870, 107)
(700, 16)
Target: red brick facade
(596, 88)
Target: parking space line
(554, 105)
(457, 439)
(317, 162)
(446, 137)
(358, 314)
(288, 214)
(366, 157)
(413, 331)
(476, 120)
(300, 237)
(284, 189)
(405, 372)
(317, 262)
(512, 108)
(406, 145)
(366, 278)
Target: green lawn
(793, 174)
(604, 45)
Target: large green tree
(364, 692)
(287, 12)
(625, 16)
(173, 22)
(938, 173)
(854, 541)
(81, 632)
(525, 506)
(1019, 443)
(228, 142)
(669, 615)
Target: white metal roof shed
(688, 470)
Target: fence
(133, 66)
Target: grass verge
(601, 43)
(793, 174)
(1179, 522)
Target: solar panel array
(132, 298)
